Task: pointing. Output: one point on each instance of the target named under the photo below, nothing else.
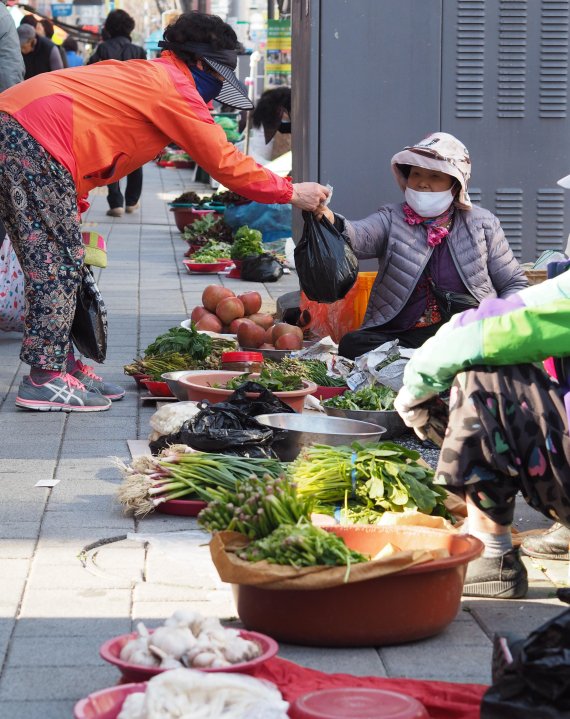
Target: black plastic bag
(536, 684)
(261, 268)
(324, 260)
(229, 427)
(89, 328)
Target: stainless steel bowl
(171, 379)
(301, 430)
(389, 419)
(274, 354)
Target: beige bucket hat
(438, 151)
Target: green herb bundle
(377, 398)
(274, 379)
(206, 476)
(247, 242)
(256, 507)
(212, 251)
(312, 370)
(378, 477)
(183, 341)
(301, 545)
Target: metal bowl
(389, 419)
(274, 354)
(301, 430)
(171, 379)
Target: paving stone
(78, 651)
(99, 627)
(36, 710)
(359, 662)
(76, 602)
(222, 606)
(16, 548)
(54, 683)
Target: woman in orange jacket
(66, 132)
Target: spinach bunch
(274, 379)
(377, 398)
(183, 341)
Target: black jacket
(38, 60)
(117, 48)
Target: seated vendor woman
(437, 253)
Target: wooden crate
(535, 277)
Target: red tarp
(443, 700)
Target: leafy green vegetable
(378, 477)
(301, 545)
(212, 251)
(184, 341)
(312, 370)
(246, 242)
(273, 379)
(376, 398)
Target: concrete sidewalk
(70, 578)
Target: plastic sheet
(324, 260)
(536, 684)
(263, 268)
(274, 221)
(229, 427)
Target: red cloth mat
(443, 700)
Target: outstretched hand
(309, 195)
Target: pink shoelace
(86, 369)
(72, 381)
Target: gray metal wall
(371, 76)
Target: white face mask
(428, 204)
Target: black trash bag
(324, 260)
(89, 328)
(536, 684)
(229, 427)
(261, 268)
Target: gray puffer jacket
(480, 251)
(11, 61)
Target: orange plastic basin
(412, 604)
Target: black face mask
(285, 127)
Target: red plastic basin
(157, 388)
(405, 606)
(107, 703)
(187, 215)
(327, 392)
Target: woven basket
(535, 277)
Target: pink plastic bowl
(110, 651)
(205, 266)
(107, 703)
(157, 388)
(200, 387)
(328, 392)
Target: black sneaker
(503, 577)
(552, 544)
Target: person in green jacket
(508, 428)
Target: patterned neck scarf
(437, 227)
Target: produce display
(312, 370)
(255, 507)
(189, 198)
(212, 251)
(190, 640)
(229, 198)
(301, 545)
(207, 228)
(179, 349)
(222, 311)
(183, 693)
(281, 336)
(247, 242)
(177, 473)
(367, 479)
(375, 398)
(274, 379)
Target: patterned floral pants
(39, 207)
(508, 432)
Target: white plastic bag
(11, 289)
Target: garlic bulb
(173, 641)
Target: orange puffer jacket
(103, 121)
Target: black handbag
(450, 303)
(89, 328)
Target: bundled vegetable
(377, 398)
(178, 472)
(256, 507)
(312, 370)
(301, 545)
(247, 242)
(376, 478)
(189, 198)
(208, 228)
(274, 379)
(180, 349)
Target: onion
(251, 302)
(213, 294)
(284, 329)
(229, 309)
(250, 335)
(289, 341)
(262, 319)
(197, 313)
(209, 322)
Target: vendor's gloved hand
(413, 411)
